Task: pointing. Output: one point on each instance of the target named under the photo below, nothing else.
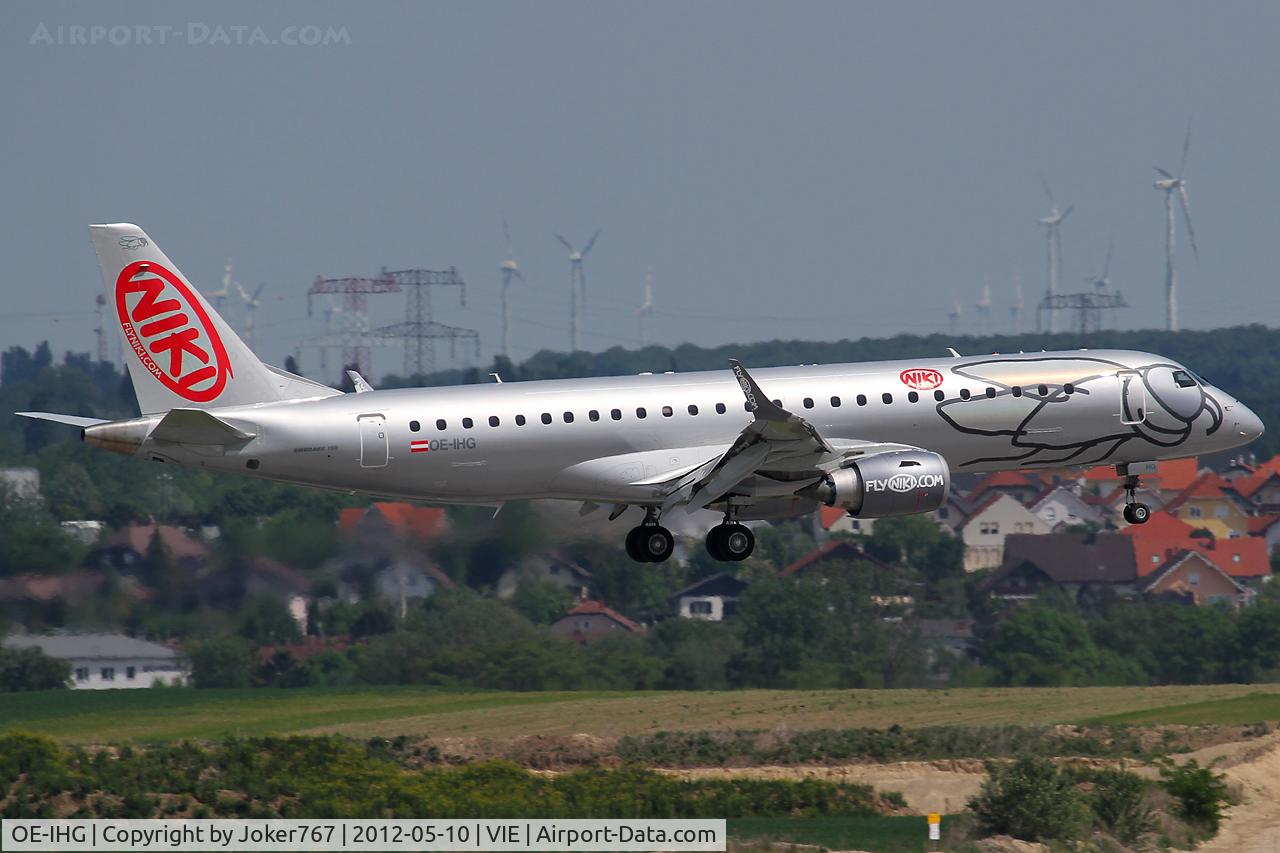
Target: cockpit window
(1183, 379)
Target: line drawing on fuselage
(875, 439)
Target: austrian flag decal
(170, 332)
(419, 445)
(921, 378)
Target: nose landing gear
(1134, 512)
(650, 542)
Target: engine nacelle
(896, 482)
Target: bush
(1117, 805)
(1030, 799)
(1200, 793)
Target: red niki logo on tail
(170, 332)
(921, 378)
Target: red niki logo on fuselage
(170, 332)
(921, 378)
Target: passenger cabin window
(493, 420)
(693, 410)
(808, 402)
(467, 423)
(641, 413)
(1183, 379)
(835, 402)
(964, 393)
(616, 414)
(913, 397)
(1069, 388)
(778, 403)
(1017, 390)
(1044, 390)
(441, 425)
(568, 417)
(887, 398)
(991, 393)
(520, 420)
(414, 426)
(720, 409)
(667, 411)
(593, 415)
(862, 399)
(546, 417)
(939, 395)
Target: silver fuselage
(1042, 410)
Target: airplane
(875, 439)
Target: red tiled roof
(423, 522)
(306, 648)
(1004, 479)
(1246, 486)
(1245, 557)
(836, 549)
(1207, 485)
(1171, 474)
(829, 515)
(585, 608)
(1259, 524)
(1155, 542)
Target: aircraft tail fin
(180, 352)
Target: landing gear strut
(1134, 512)
(650, 542)
(730, 541)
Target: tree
(782, 622)
(1041, 646)
(265, 620)
(31, 669)
(223, 662)
(1030, 799)
(541, 602)
(916, 541)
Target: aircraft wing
(779, 451)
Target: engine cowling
(896, 482)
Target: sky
(784, 170)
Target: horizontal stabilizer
(69, 420)
(196, 426)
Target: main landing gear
(1134, 512)
(730, 541)
(650, 542)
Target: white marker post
(935, 827)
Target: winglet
(758, 403)
(954, 354)
(362, 386)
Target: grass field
(897, 834)
(151, 715)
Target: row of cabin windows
(667, 411)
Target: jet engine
(896, 482)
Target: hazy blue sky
(804, 170)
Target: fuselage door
(1133, 397)
(373, 441)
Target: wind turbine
(984, 308)
(646, 307)
(577, 285)
(509, 271)
(219, 296)
(1015, 310)
(953, 316)
(1102, 282)
(1052, 224)
(1172, 185)
(251, 304)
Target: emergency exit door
(373, 441)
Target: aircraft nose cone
(1249, 425)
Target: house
(1191, 577)
(548, 567)
(1060, 507)
(984, 531)
(75, 588)
(126, 549)
(383, 524)
(21, 481)
(109, 661)
(712, 599)
(834, 519)
(1079, 563)
(1020, 486)
(954, 511)
(1261, 488)
(952, 636)
(835, 551)
(1266, 528)
(408, 579)
(1247, 559)
(1211, 503)
(589, 621)
(85, 532)
(1172, 476)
